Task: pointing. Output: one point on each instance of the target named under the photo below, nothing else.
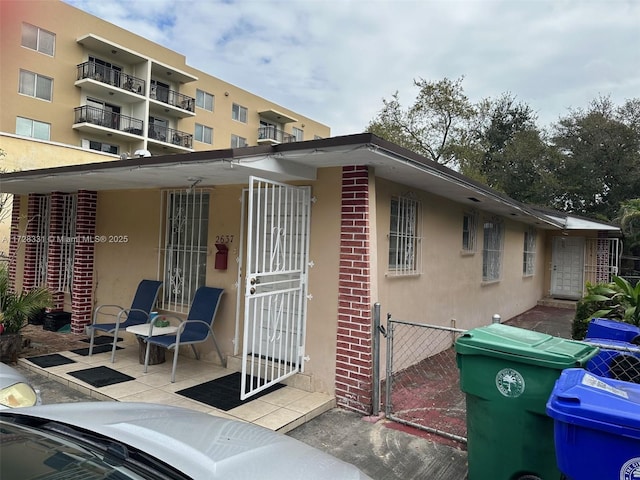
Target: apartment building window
(469, 229)
(298, 134)
(529, 252)
(239, 113)
(238, 142)
(204, 100)
(203, 134)
(184, 258)
(405, 236)
(103, 147)
(35, 85)
(33, 128)
(492, 250)
(38, 39)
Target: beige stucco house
(304, 238)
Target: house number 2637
(224, 239)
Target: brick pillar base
(354, 380)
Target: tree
(599, 165)
(629, 220)
(508, 152)
(433, 126)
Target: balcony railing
(270, 132)
(111, 76)
(171, 97)
(170, 135)
(109, 119)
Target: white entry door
(567, 275)
(275, 284)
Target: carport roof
(298, 161)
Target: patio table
(156, 352)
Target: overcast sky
(334, 60)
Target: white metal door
(568, 267)
(275, 284)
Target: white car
(15, 389)
(118, 440)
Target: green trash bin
(508, 374)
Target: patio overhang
(291, 162)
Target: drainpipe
(375, 397)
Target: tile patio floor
(281, 410)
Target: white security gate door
(275, 284)
(567, 278)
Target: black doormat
(52, 360)
(223, 393)
(96, 349)
(101, 376)
(101, 340)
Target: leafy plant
(17, 307)
(588, 307)
(622, 300)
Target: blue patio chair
(197, 328)
(143, 302)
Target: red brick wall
(354, 381)
(14, 240)
(83, 261)
(54, 252)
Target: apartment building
(72, 79)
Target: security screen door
(275, 284)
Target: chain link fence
(422, 382)
(422, 386)
(617, 360)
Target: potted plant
(15, 310)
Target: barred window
(469, 228)
(529, 252)
(185, 247)
(492, 250)
(405, 236)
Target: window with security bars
(492, 249)
(529, 252)
(184, 257)
(42, 245)
(469, 228)
(405, 237)
(67, 241)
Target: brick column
(30, 266)
(83, 261)
(354, 381)
(14, 240)
(54, 252)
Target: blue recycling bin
(613, 329)
(616, 359)
(596, 426)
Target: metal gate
(422, 387)
(275, 284)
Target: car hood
(199, 445)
